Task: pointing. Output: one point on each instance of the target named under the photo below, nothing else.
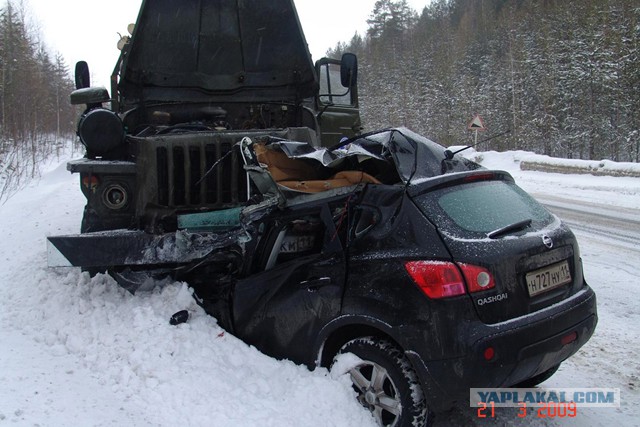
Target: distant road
(621, 226)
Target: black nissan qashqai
(439, 275)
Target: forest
(555, 77)
(35, 114)
(562, 77)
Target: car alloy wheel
(386, 383)
(377, 392)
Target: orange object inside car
(297, 175)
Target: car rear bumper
(523, 347)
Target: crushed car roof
(415, 157)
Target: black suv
(439, 275)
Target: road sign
(477, 124)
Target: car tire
(386, 383)
(540, 378)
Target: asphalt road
(618, 227)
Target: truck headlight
(115, 196)
(100, 130)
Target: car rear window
(478, 208)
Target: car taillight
(478, 278)
(441, 279)
(437, 279)
(487, 176)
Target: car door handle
(314, 284)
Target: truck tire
(387, 384)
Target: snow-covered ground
(81, 351)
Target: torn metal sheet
(137, 248)
(415, 157)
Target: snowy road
(617, 225)
(81, 351)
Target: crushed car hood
(195, 50)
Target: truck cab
(193, 79)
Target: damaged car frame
(212, 167)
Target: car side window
(300, 237)
(364, 219)
(296, 238)
(321, 232)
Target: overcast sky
(88, 29)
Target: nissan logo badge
(547, 241)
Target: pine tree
(34, 111)
(563, 76)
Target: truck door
(337, 101)
(299, 287)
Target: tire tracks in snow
(618, 226)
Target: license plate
(547, 278)
(295, 244)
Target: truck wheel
(540, 378)
(386, 383)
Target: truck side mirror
(82, 75)
(349, 70)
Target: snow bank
(542, 163)
(82, 351)
(615, 191)
(537, 162)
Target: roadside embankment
(590, 167)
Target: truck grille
(171, 169)
(185, 177)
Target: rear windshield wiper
(516, 226)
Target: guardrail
(572, 169)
